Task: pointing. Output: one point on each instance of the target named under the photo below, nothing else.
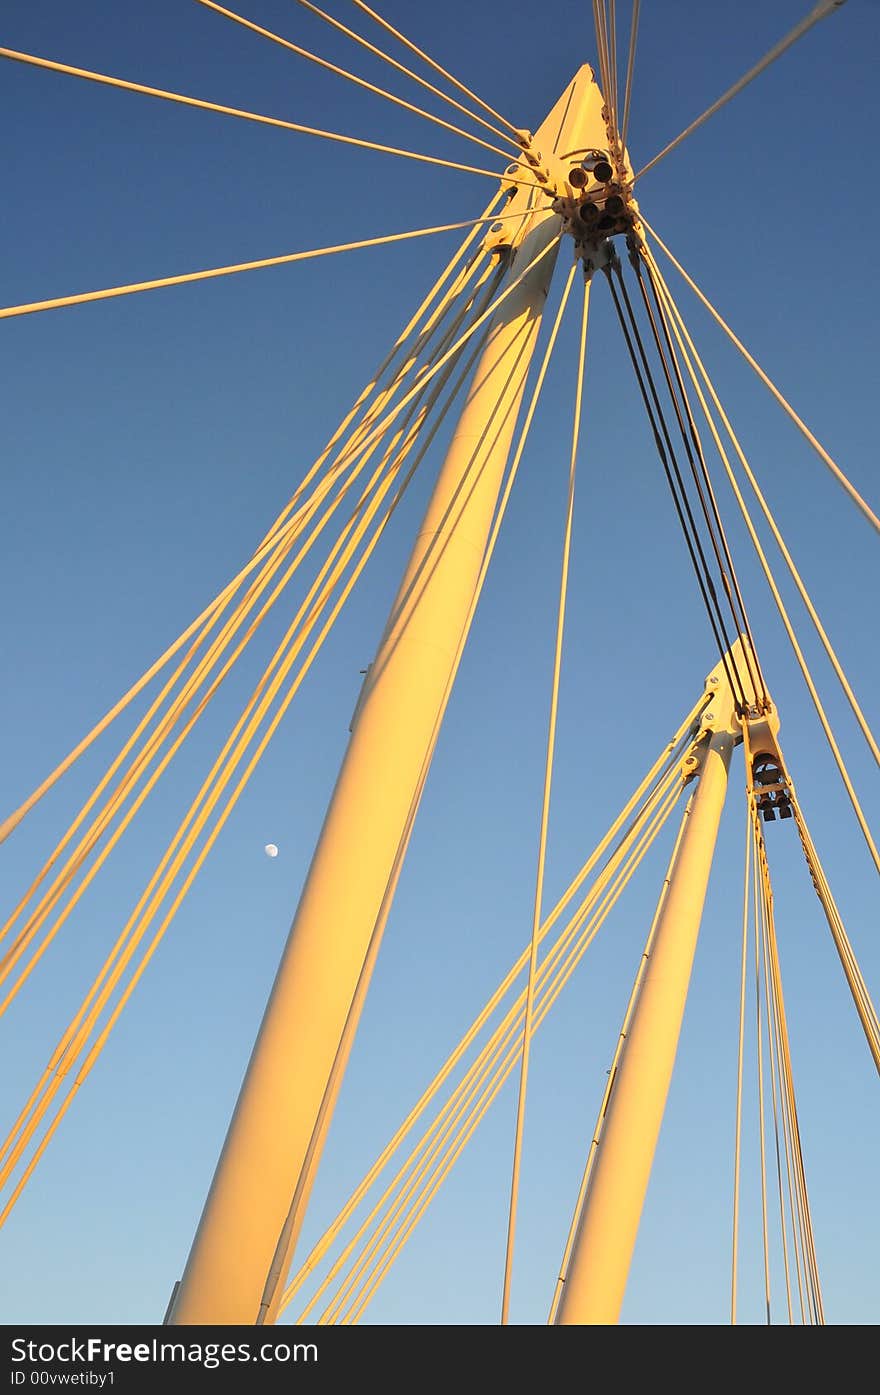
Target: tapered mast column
(598, 1268)
(275, 1117)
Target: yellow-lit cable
(812, 1262)
(65, 1055)
(765, 1235)
(356, 1307)
(321, 1247)
(440, 363)
(857, 985)
(793, 1205)
(148, 750)
(630, 65)
(341, 1058)
(335, 136)
(207, 615)
(602, 50)
(611, 29)
(789, 561)
(480, 1087)
(185, 278)
(408, 72)
(814, 1286)
(420, 53)
(683, 338)
(501, 1038)
(352, 77)
(409, 329)
(737, 1141)
(74, 1039)
(545, 808)
(770, 385)
(612, 1072)
(451, 353)
(101, 1041)
(818, 11)
(774, 1063)
(290, 533)
(152, 745)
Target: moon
(271, 850)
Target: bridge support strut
(595, 1280)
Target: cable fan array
(367, 465)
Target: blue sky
(148, 442)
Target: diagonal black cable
(708, 500)
(704, 581)
(676, 469)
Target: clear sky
(147, 444)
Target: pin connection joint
(770, 780)
(597, 205)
